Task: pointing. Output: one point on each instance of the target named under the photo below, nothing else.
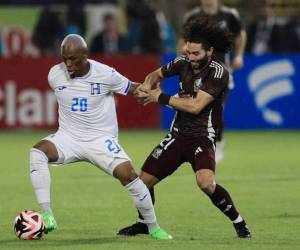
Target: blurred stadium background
(262, 119)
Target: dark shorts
(173, 151)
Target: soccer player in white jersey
(88, 130)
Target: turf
(261, 170)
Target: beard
(200, 63)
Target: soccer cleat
(50, 222)
(242, 230)
(134, 229)
(159, 234)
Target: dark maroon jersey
(213, 79)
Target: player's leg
(162, 162)
(222, 200)
(204, 166)
(108, 155)
(42, 153)
(140, 227)
(57, 149)
(141, 197)
(150, 181)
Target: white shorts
(105, 152)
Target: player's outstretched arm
(133, 88)
(193, 105)
(153, 79)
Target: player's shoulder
(191, 14)
(178, 63)
(100, 68)
(182, 59)
(57, 69)
(230, 11)
(57, 73)
(218, 69)
(105, 73)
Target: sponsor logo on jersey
(197, 84)
(157, 152)
(198, 150)
(141, 199)
(60, 88)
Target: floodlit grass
(261, 170)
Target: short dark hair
(209, 34)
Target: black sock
(222, 200)
(151, 190)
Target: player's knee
(206, 185)
(128, 178)
(148, 179)
(38, 159)
(49, 149)
(125, 173)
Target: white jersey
(86, 105)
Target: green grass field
(261, 170)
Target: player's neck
(211, 11)
(85, 69)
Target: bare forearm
(153, 79)
(133, 88)
(183, 104)
(240, 43)
(191, 105)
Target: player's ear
(210, 51)
(85, 56)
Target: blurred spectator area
(43, 2)
(19, 19)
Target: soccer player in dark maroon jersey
(227, 18)
(203, 85)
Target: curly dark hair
(209, 34)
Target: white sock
(142, 200)
(40, 178)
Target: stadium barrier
(266, 94)
(26, 101)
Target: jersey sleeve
(119, 83)
(216, 85)
(174, 67)
(51, 76)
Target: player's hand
(151, 95)
(139, 92)
(237, 63)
